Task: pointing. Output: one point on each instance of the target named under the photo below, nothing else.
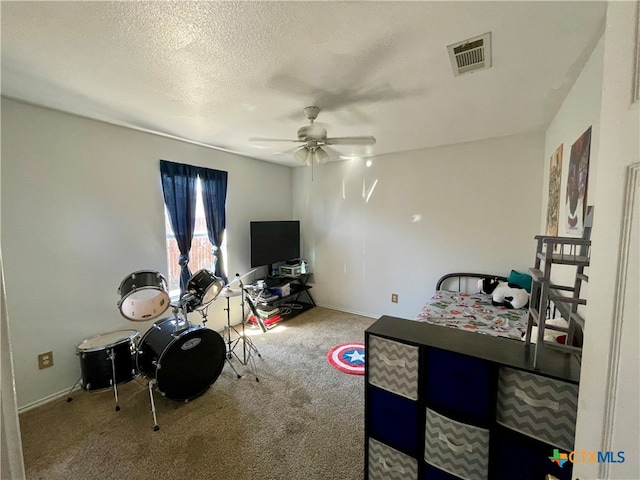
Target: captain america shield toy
(348, 358)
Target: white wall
(82, 208)
(580, 110)
(607, 421)
(469, 207)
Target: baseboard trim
(45, 400)
(341, 309)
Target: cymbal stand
(227, 338)
(232, 343)
(249, 348)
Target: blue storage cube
(433, 473)
(526, 459)
(394, 420)
(459, 385)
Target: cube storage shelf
(445, 404)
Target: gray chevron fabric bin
(540, 407)
(386, 463)
(456, 448)
(393, 366)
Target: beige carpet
(302, 420)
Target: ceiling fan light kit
(314, 137)
(321, 156)
(301, 155)
(308, 155)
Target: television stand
(272, 282)
(273, 310)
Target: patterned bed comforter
(474, 312)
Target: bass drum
(184, 359)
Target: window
(207, 189)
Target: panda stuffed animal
(504, 294)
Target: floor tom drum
(107, 356)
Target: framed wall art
(577, 182)
(553, 200)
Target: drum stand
(153, 405)
(231, 344)
(114, 385)
(248, 347)
(180, 307)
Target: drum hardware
(228, 355)
(112, 357)
(202, 288)
(156, 427)
(106, 360)
(248, 347)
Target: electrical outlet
(45, 360)
(394, 298)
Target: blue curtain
(179, 190)
(214, 192)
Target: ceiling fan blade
(350, 141)
(333, 153)
(286, 151)
(261, 139)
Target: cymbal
(240, 278)
(228, 292)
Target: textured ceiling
(217, 73)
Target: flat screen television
(274, 242)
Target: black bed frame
(460, 276)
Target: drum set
(180, 359)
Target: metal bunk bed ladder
(546, 295)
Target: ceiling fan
(314, 137)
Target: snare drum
(184, 359)
(106, 356)
(205, 286)
(144, 296)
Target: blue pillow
(522, 280)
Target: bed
(457, 304)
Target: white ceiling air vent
(471, 55)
